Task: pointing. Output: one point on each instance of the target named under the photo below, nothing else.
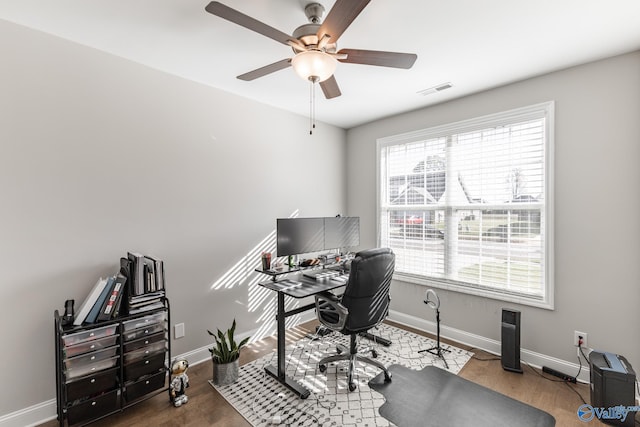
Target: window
(467, 206)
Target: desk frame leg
(281, 337)
(279, 372)
(290, 383)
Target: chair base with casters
(353, 356)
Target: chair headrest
(370, 270)
(368, 253)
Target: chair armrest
(331, 313)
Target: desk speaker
(511, 340)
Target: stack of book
(146, 282)
(103, 302)
(145, 302)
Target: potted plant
(225, 354)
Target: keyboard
(321, 274)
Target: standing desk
(295, 286)
(298, 286)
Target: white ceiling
(475, 45)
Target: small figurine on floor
(179, 382)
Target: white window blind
(466, 206)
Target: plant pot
(226, 373)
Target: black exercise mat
(433, 397)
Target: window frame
(544, 110)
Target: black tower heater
(511, 340)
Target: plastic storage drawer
(147, 366)
(89, 358)
(150, 339)
(94, 384)
(145, 386)
(143, 332)
(93, 334)
(91, 368)
(142, 322)
(144, 352)
(93, 408)
(88, 346)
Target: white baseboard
(532, 358)
(46, 411)
(31, 416)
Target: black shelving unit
(104, 368)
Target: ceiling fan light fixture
(314, 65)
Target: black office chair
(364, 305)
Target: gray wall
(597, 201)
(100, 156)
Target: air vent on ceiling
(434, 89)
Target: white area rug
(263, 401)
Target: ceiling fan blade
(267, 69)
(330, 88)
(379, 58)
(225, 12)
(340, 17)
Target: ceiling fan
(314, 44)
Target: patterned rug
(263, 401)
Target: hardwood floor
(207, 408)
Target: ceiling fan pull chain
(313, 86)
(312, 107)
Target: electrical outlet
(576, 337)
(178, 330)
